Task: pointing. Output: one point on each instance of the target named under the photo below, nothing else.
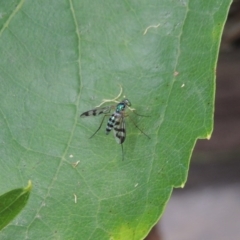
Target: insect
(116, 120)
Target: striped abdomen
(114, 119)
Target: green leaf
(12, 202)
(61, 58)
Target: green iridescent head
(126, 102)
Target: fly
(115, 122)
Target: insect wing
(119, 130)
(96, 111)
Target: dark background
(208, 208)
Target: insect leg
(139, 114)
(138, 127)
(99, 125)
(122, 152)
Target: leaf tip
(28, 188)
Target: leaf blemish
(151, 26)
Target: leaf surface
(61, 58)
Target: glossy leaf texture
(11, 204)
(62, 58)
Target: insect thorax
(122, 105)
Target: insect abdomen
(110, 124)
(112, 121)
